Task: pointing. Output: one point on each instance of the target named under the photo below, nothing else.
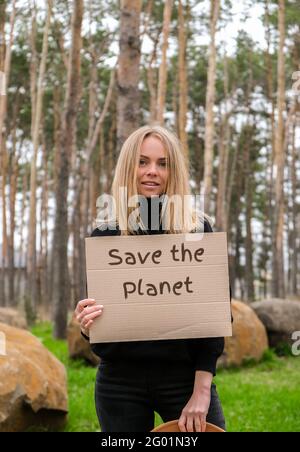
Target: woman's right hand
(86, 311)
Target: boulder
(13, 317)
(78, 346)
(280, 318)
(33, 384)
(249, 338)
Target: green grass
(264, 397)
(256, 397)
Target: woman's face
(152, 173)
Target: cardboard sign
(160, 286)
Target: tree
(278, 288)
(128, 70)
(67, 149)
(162, 77)
(210, 100)
(5, 66)
(182, 71)
(37, 103)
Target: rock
(33, 384)
(280, 317)
(249, 338)
(13, 317)
(78, 346)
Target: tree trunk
(221, 222)
(152, 81)
(22, 241)
(128, 104)
(43, 255)
(198, 150)
(13, 176)
(182, 73)
(175, 90)
(96, 186)
(249, 277)
(295, 232)
(31, 290)
(33, 64)
(269, 215)
(5, 62)
(222, 206)
(111, 159)
(232, 176)
(61, 282)
(100, 165)
(2, 34)
(210, 100)
(234, 226)
(270, 87)
(279, 161)
(57, 119)
(77, 221)
(162, 77)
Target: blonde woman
(170, 377)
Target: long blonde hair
(177, 184)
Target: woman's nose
(152, 169)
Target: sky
(253, 25)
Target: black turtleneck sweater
(201, 353)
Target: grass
(256, 397)
(264, 397)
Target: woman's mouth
(150, 184)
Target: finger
(83, 303)
(197, 423)
(86, 319)
(89, 324)
(84, 323)
(189, 424)
(92, 316)
(181, 423)
(203, 425)
(89, 310)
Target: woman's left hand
(193, 415)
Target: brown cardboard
(192, 302)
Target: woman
(171, 377)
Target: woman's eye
(143, 162)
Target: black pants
(127, 396)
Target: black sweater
(201, 353)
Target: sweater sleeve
(85, 336)
(206, 351)
(98, 233)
